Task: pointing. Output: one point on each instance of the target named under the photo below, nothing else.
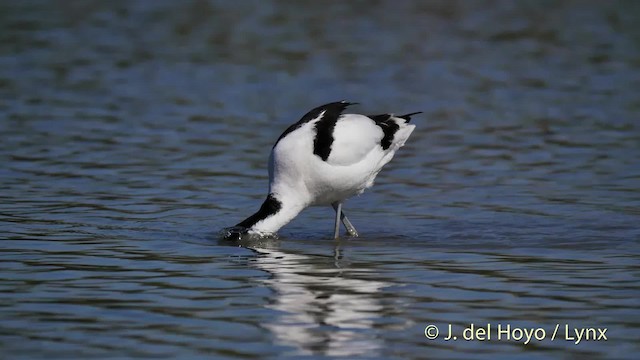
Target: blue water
(134, 131)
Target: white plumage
(323, 159)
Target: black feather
(388, 126)
(408, 116)
(324, 127)
(334, 107)
(270, 206)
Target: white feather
(353, 138)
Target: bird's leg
(338, 208)
(351, 230)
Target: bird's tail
(407, 117)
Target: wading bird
(324, 159)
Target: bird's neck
(274, 213)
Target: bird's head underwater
(241, 233)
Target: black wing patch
(324, 127)
(389, 127)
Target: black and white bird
(324, 159)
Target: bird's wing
(354, 136)
(327, 113)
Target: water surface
(132, 132)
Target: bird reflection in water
(326, 307)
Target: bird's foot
(352, 232)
